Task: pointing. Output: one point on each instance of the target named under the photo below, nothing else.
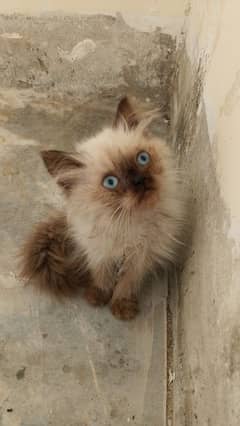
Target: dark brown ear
(126, 115)
(59, 162)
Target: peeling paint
(14, 36)
(79, 51)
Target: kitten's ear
(126, 115)
(59, 164)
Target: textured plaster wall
(207, 124)
(144, 14)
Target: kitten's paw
(125, 309)
(96, 296)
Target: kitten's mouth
(144, 196)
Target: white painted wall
(168, 8)
(213, 33)
(208, 308)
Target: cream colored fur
(137, 236)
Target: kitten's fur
(109, 239)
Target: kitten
(123, 216)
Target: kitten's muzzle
(141, 184)
(138, 180)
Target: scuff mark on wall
(232, 97)
(234, 236)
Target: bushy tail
(48, 262)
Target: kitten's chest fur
(104, 240)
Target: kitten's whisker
(115, 212)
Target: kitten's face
(126, 170)
(133, 179)
(122, 168)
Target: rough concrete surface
(71, 365)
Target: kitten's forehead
(112, 146)
(109, 138)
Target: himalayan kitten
(123, 216)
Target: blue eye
(110, 182)
(143, 158)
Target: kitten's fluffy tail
(48, 262)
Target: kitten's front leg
(100, 293)
(124, 303)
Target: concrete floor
(71, 365)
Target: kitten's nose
(138, 180)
